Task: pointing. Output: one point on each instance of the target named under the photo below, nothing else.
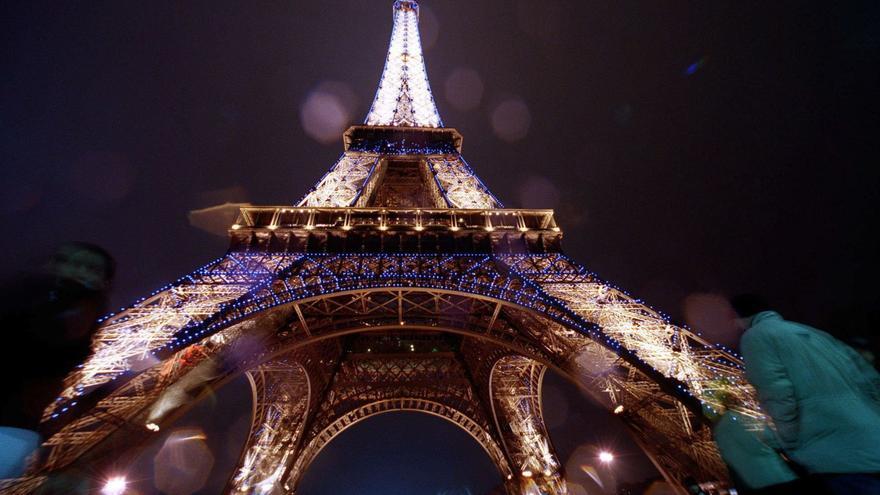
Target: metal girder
(367, 383)
(404, 97)
(515, 394)
(281, 398)
(459, 185)
(629, 326)
(125, 340)
(543, 306)
(152, 398)
(343, 184)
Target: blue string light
(445, 271)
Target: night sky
(688, 147)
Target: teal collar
(763, 316)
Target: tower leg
(285, 390)
(281, 398)
(515, 384)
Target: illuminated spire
(404, 96)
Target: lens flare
(510, 120)
(114, 486)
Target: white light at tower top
(404, 97)
(606, 456)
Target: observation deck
(324, 229)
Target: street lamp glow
(606, 456)
(114, 486)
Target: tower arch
(491, 330)
(378, 450)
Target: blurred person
(822, 395)
(48, 320)
(862, 345)
(746, 445)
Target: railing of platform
(417, 219)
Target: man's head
(747, 306)
(86, 264)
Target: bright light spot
(327, 111)
(114, 486)
(464, 89)
(618, 409)
(510, 120)
(606, 456)
(527, 473)
(152, 426)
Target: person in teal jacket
(823, 397)
(756, 466)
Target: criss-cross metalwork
(399, 283)
(404, 96)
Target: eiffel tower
(398, 283)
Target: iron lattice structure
(398, 283)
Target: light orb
(114, 486)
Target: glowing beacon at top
(404, 96)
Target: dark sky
(687, 146)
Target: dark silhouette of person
(48, 320)
(822, 395)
